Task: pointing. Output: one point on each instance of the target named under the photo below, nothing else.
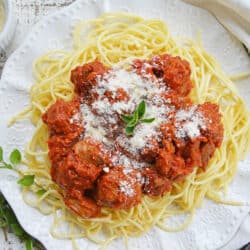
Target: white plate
(214, 224)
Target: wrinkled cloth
(234, 15)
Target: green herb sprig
(16, 158)
(136, 117)
(8, 220)
(41, 192)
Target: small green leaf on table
(27, 180)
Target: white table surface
(29, 12)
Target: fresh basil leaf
(141, 109)
(129, 130)
(134, 120)
(29, 244)
(1, 153)
(40, 192)
(9, 216)
(16, 229)
(147, 120)
(137, 116)
(27, 180)
(126, 118)
(15, 156)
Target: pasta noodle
(118, 39)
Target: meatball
(147, 153)
(92, 152)
(179, 172)
(198, 152)
(119, 190)
(60, 117)
(145, 69)
(72, 173)
(177, 74)
(191, 153)
(214, 128)
(60, 145)
(207, 151)
(174, 71)
(117, 96)
(174, 100)
(168, 162)
(85, 77)
(150, 152)
(154, 183)
(82, 205)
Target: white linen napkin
(233, 14)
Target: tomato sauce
(97, 164)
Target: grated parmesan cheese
(92, 127)
(100, 119)
(126, 188)
(103, 114)
(189, 122)
(75, 118)
(143, 132)
(106, 169)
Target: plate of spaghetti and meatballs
(129, 131)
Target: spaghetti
(118, 39)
